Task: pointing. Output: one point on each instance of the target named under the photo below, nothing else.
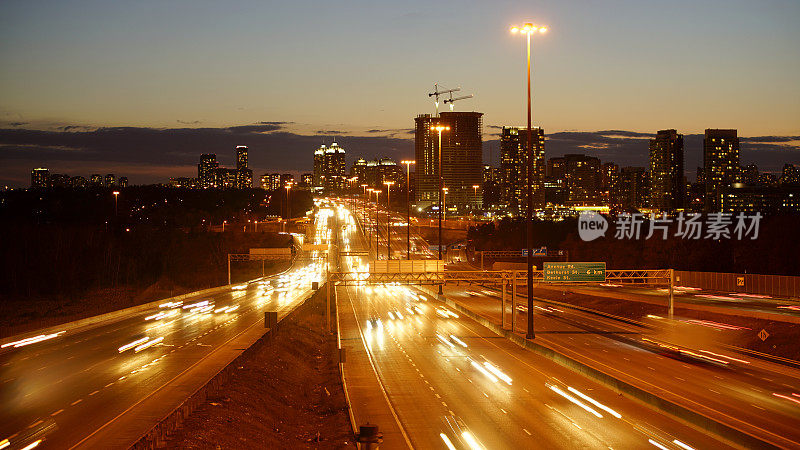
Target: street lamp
(366, 212)
(377, 234)
(388, 219)
(439, 128)
(475, 188)
(528, 29)
(408, 164)
(288, 206)
(223, 225)
(444, 204)
(116, 195)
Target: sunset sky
(364, 68)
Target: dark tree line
(776, 251)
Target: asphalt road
(64, 389)
(447, 377)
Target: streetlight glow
(408, 164)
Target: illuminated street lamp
(439, 128)
(408, 164)
(364, 203)
(116, 195)
(377, 209)
(288, 205)
(528, 29)
(223, 225)
(444, 205)
(388, 219)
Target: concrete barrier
(628, 390)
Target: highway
(59, 392)
(450, 381)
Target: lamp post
(363, 204)
(527, 30)
(116, 195)
(366, 211)
(288, 205)
(444, 205)
(408, 206)
(439, 128)
(475, 189)
(377, 234)
(388, 220)
(223, 225)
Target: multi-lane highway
(66, 388)
(445, 380)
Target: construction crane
(452, 100)
(436, 93)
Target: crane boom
(436, 93)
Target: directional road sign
(575, 271)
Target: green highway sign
(575, 271)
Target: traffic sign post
(574, 272)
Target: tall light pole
(288, 205)
(408, 164)
(223, 225)
(444, 204)
(388, 220)
(377, 233)
(527, 30)
(439, 128)
(364, 204)
(116, 195)
(366, 211)
(475, 188)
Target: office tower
(241, 157)
(225, 178)
(609, 179)
(306, 181)
(750, 174)
(274, 181)
(265, 182)
(244, 176)
(491, 187)
(205, 170)
(720, 164)
(632, 187)
(359, 170)
(334, 178)
(790, 175)
(40, 178)
(381, 170)
(461, 156)
(109, 180)
(583, 179)
(667, 189)
(319, 166)
(286, 178)
(513, 167)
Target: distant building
(749, 174)
(767, 179)
(608, 184)
(123, 182)
(306, 181)
(461, 158)
(96, 179)
(58, 180)
(514, 169)
(184, 183)
(78, 182)
(329, 169)
(286, 178)
(580, 177)
(790, 175)
(225, 178)
(766, 200)
(205, 170)
(720, 164)
(244, 176)
(491, 187)
(632, 188)
(359, 170)
(109, 180)
(667, 189)
(40, 178)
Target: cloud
(331, 132)
(18, 124)
(191, 122)
(108, 149)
